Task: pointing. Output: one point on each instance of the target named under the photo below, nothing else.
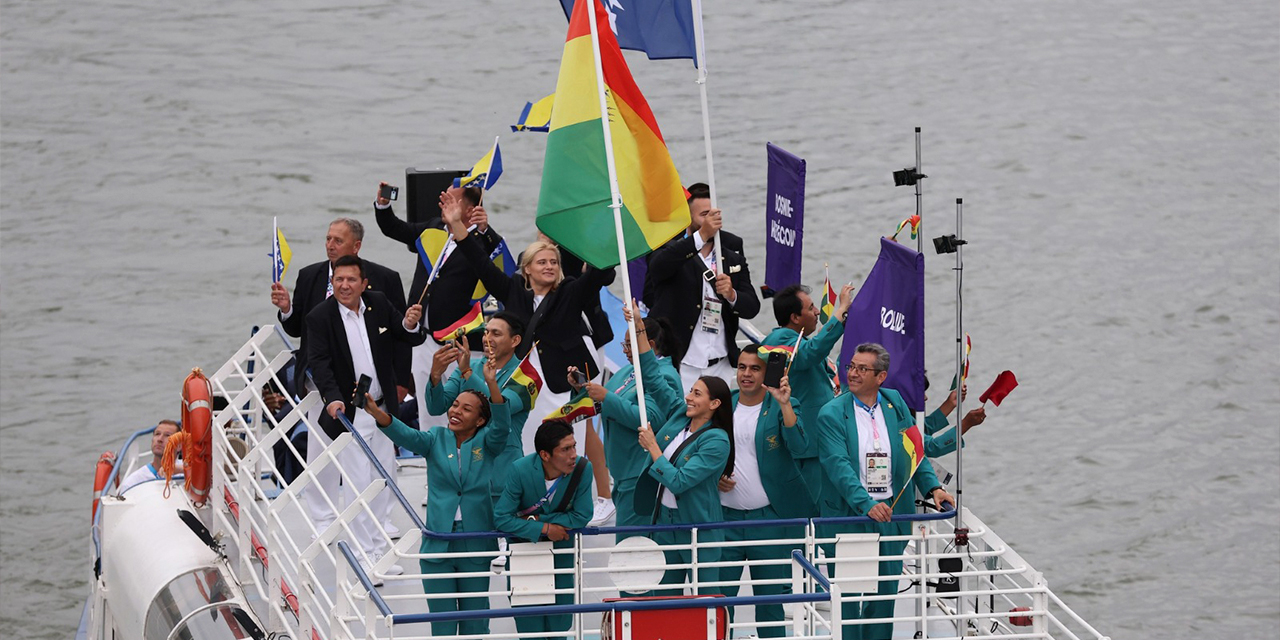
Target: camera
(947, 244)
(389, 192)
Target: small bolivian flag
(466, 324)
(579, 407)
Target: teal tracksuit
(458, 477)
(844, 495)
(440, 397)
(620, 416)
(526, 485)
(938, 445)
(788, 498)
(692, 480)
(811, 385)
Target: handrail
(624, 605)
(742, 524)
(364, 578)
(391, 481)
(810, 569)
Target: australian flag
(663, 29)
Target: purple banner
(783, 218)
(889, 309)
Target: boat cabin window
(182, 595)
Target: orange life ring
(195, 439)
(106, 462)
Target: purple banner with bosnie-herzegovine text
(889, 310)
(783, 218)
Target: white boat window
(182, 595)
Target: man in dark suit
(682, 285)
(449, 296)
(352, 333)
(343, 239)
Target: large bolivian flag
(573, 208)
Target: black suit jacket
(450, 295)
(330, 355)
(560, 327)
(674, 285)
(309, 291)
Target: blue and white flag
(783, 218)
(889, 309)
(663, 29)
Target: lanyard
(551, 491)
(871, 414)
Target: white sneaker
(393, 531)
(603, 512)
(394, 570)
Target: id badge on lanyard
(877, 461)
(711, 310)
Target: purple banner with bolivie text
(783, 218)
(889, 309)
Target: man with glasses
(867, 472)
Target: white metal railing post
(341, 607)
(801, 610)
(577, 583)
(837, 613)
(1040, 602)
(922, 604)
(693, 557)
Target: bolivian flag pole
(616, 206)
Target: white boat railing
(309, 583)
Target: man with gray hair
(868, 471)
(314, 286)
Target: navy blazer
(309, 291)
(330, 355)
(673, 290)
(449, 297)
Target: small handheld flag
(914, 221)
(485, 172)
(431, 244)
(1005, 382)
(526, 379)
(579, 407)
(914, 445)
(536, 116)
(501, 258)
(280, 255)
(466, 324)
(964, 370)
(765, 349)
(828, 307)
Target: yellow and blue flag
(501, 258)
(485, 172)
(536, 115)
(280, 255)
(431, 247)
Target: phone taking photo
(389, 192)
(362, 389)
(774, 369)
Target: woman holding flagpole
(551, 307)
(687, 456)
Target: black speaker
(422, 192)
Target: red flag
(1005, 382)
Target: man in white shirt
(765, 485)
(159, 437)
(702, 299)
(353, 334)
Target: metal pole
(700, 51)
(962, 533)
(616, 205)
(919, 199)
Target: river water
(1118, 161)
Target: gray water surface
(1120, 165)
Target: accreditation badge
(877, 465)
(711, 310)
